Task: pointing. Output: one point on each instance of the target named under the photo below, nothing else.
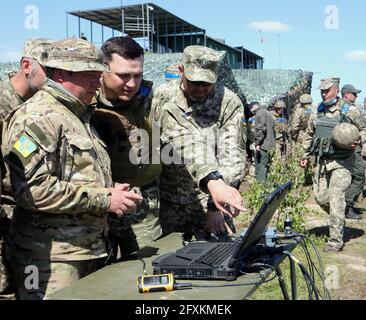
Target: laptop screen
(258, 227)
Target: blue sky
(329, 43)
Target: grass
(272, 290)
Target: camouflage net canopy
(5, 68)
(264, 86)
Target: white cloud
(358, 55)
(269, 26)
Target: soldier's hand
(123, 201)
(304, 163)
(224, 195)
(215, 223)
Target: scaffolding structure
(159, 31)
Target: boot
(352, 214)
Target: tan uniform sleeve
(30, 149)
(231, 152)
(308, 137)
(355, 117)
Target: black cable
(321, 272)
(264, 267)
(307, 277)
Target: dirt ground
(347, 268)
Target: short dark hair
(125, 47)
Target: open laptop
(220, 260)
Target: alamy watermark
(31, 282)
(31, 21)
(331, 21)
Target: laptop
(203, 260)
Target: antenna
(279, 50)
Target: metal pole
(148, 26)
(293, 280)
(166, 35)
(175, 35)
(184, 43)
(67, 25)
(91, 31)
(143, 25)
(79, 26)
(279, 51)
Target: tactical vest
(322, 144)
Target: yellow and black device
(160, 283)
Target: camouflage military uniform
(265, 139)
(299, 122)
(61, 175)
(281, 133)
(333, 176)
(212, 130)
(9, 100)
(120, 125)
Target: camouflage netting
(155, 66)
(264, 86)
(267, 86)
(5, 68)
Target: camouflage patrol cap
(37, 49)
(326, 84)
(201, 64)
(306, 99)
(75, 55)
(280, 104)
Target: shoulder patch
(25, 146)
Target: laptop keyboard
(217, 254)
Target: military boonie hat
(75, 55)
(350, 88)
(201, 64)
(37, 49)
(326, 84)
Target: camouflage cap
(201, 64)
(37, 49)
(306, 99)
(280, 104)
(326, 84)
(75, 55)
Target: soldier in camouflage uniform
(349, 97)
(61, 176)
(202, 132)
(265, 140)
(300, 118)
(14, 91)
(280, 128)
(124, 121)
(334, 165)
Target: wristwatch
(212, 176)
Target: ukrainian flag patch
(25, 146)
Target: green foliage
(281, 172)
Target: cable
(262, 265)
(308, 279)
(144, 266)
